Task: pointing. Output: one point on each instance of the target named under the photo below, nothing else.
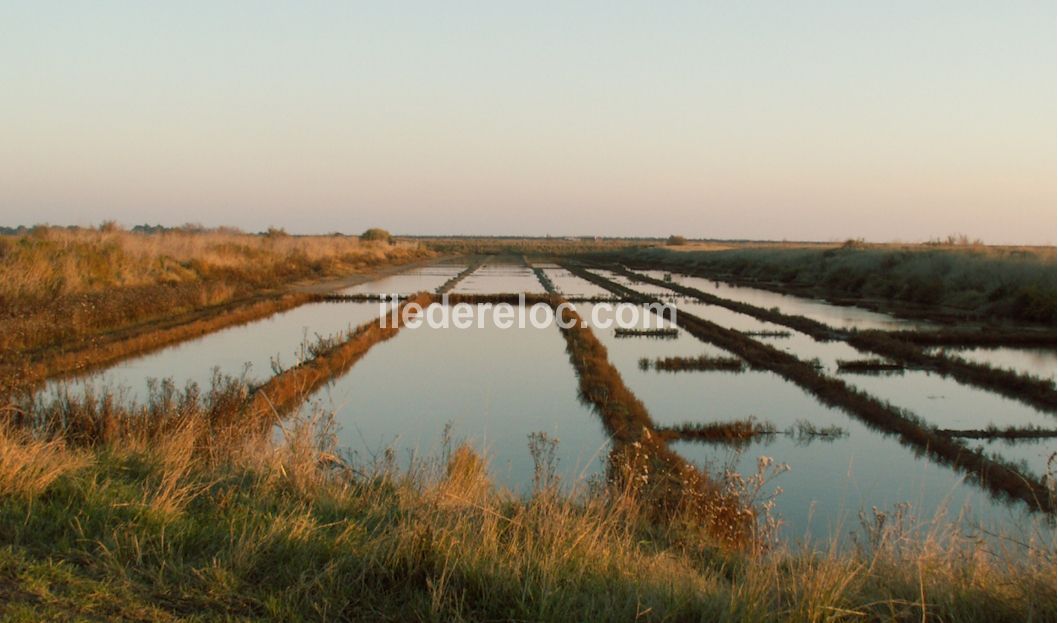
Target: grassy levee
(814, 328)
(26, 373)
(60, 287)
(1034, 391)
(930, 281)
(993, 432)
(541, 276)
(985, 336)
(474, 263)
(74, 299)
(640, 458)
(911, 430)
(286, 391)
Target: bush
(676, 241)
(376, 234)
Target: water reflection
(839, 316)
(498, 277)
(250, 348)
(830, 480)
(495, 386)
(1041, 362)
(422, 279)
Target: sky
(815, 120)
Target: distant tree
(276, 232)
(376, 234)
(109, 226)
(677, 241)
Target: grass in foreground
(175, 522)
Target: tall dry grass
(51, 261)
(278, 527)
(62, 288)
(29, 465)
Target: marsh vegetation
(553, 483)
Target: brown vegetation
(734, 432)
(28, 371)
(869, 365)
(996, 475)
(700, 363)
(668, 333)
(66, 292)
(1036, 392)
(640, 459)
(994, 432)
(58, 285)
(285, 391)
(475, 263)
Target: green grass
(1016, 284)
(169, 531)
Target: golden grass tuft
(29, 465)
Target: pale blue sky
(798, 120)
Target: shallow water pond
(569, 284)
(496, 386)
(249, 348)
(494, 278)
(802, 345)
(831, 479)
(422, 279)
(838, 316)
(946, 403)
(1041, 362)
(830, 482)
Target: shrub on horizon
(376, 234)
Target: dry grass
(173, 528)
(28, 465)
(65, 286)
(57, 262)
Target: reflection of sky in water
(946, 403)
(571, 285)
(256, 343)
(496, 387)
(493, 278)
(838, 316)
(1041, 362)
(424, 279)
(830, 481)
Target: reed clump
(995, 432)
(733, 432)
(700, 363)
(663, 333)
(869, 365)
